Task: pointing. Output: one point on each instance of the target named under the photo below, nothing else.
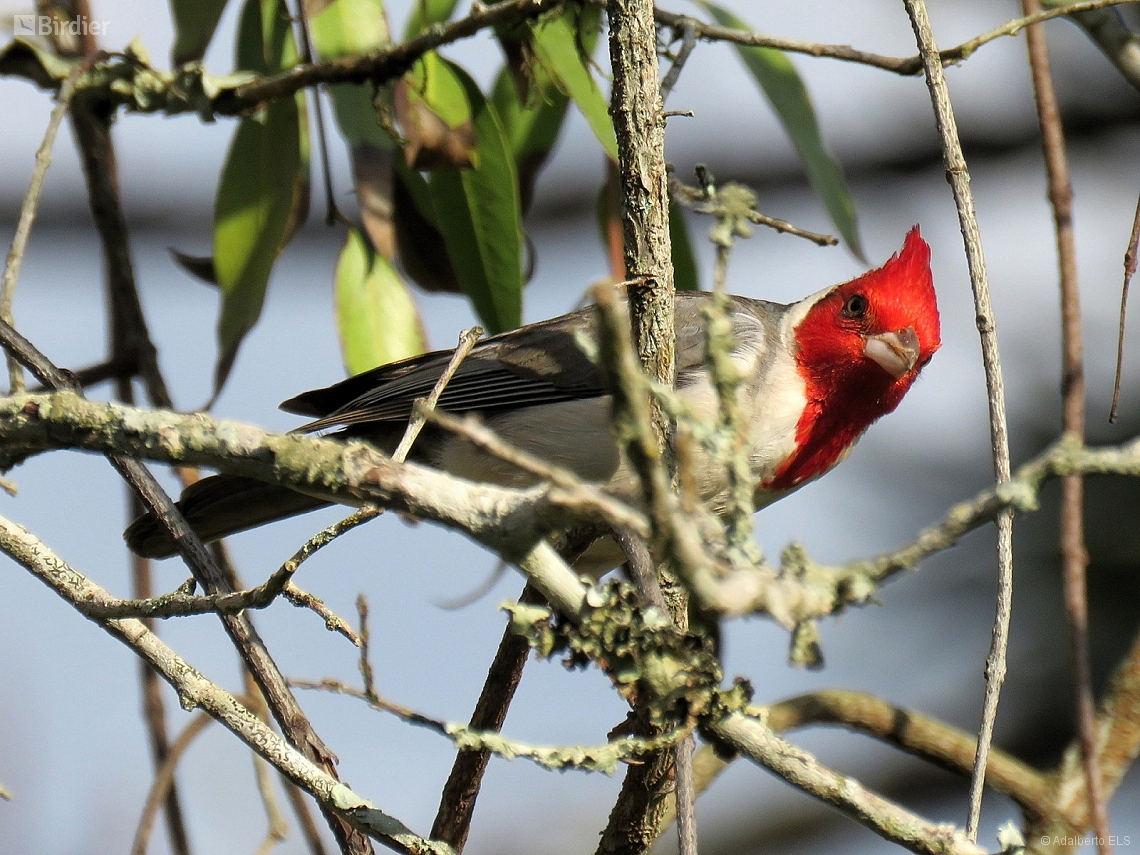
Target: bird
(817, 373)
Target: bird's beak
(894, 352)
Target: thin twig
(920, 735)
(597, 758)
(277, 828)
(1074, 555)
(327, 535)
(302, 599)
(309, 830)
(452, 821)
(467, 340)
(686, 796)
(367, 675)
(331, 211)
(959, 179)
(379, 66)
(800, 769)
(734, 205)
(164, 780)
(688, 43)
(1129, 270)
(899, 65)
(27, 218)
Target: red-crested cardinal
(817, 373)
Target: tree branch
(195, 690)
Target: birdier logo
(49, 25)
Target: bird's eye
(855, 307)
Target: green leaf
(556, 46)
(375, 312)
(685, 274)
(194, 25)
(528, 130)
(349, 28)
(252, 215)
(426, 13)
(478, 212)
(436, 81)
(265, 42)
(789, 97)
(263, 191)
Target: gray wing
(536, 364)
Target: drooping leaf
(780, 82)
(376, 315)
(252, 214)
(425, 13)
(263, 191)
(530, 131)
(421, 247)
(194, 25)
(348, 28)
(478, 212)
(686, 277)
(434, 112)
(559, 49)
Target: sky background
(72, 749)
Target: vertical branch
(959, 178)
(640, 126)
(1074, 556)
(639, 123)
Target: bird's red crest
(845, 389)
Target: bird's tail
(217, 507)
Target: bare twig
(688, 34)
(1129, 270)
(1074, 555)
(367, 676)
(899, 65)
(801, 769)
(379, 66)
(277, 828)
(959, 179)
(302, 599)
(467, 340)
(27, 217)
(457, 801)
(734, 206)
(597, 758)
(164, 780)
(327, 535)
(1118, 739)
(921, 735)
(332, 214)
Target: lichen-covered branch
(195, 690)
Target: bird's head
(859, 348)
(875, 332)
